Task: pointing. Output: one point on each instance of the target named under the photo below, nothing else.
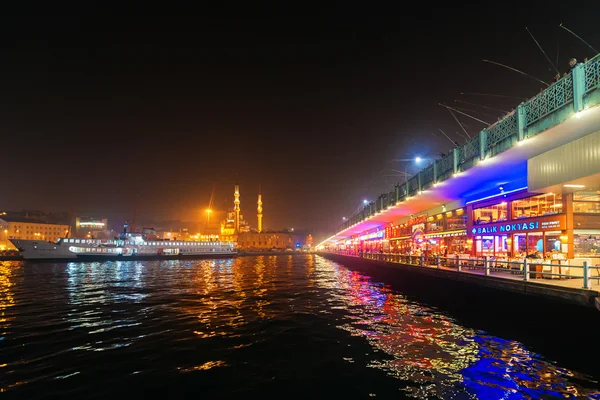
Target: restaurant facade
(439, 233)
(557, 225)
(562, 225)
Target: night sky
(310, 103)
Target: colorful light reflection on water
(283, 326)
(438, 356)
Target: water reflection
(8, 270)
(100, 296)
(105, 327)
(437, 356)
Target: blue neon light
(496, 195)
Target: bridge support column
(419, 179)
(521, 122)
(455, 159)
(482, 144)
(578, 87)
(434, 172)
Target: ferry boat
(127, 246)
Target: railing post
(439, 265)
(422, 260)
(486, 264)
(458, 268)
(586, 276)
(482, 144)
(525, 270)
(578, 87)
(455, 160)
(521, 122)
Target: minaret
(236, 207)
(259, 210)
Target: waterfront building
(265, 241)
(565, 224)
(30, 229)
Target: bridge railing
(499, 268)
(569, 95)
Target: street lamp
(365, 202)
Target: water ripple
(268, 325)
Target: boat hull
(94, 258)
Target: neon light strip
(496, 195)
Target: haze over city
(97, 110)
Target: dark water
(251, 327)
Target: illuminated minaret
(259, 210)
(236, 207)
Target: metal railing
(519, 124)
(528, 269)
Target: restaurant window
(456, 220)
(405, 230)
(435, 224)
(586, 245)
(520, 245)
(484, 245)
(535, 242)
(586, 202)
(493, 213)
(536, 206)
(553, 242)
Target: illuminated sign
(374, 235)
(557, 223)
(446, 234)
(418, 219)
(92, 224)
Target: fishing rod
(475, 111)
(458, 122)
(461, 135)
(543, 52)
(460, 112)
(494, 95)
(479, 105)
(516, 70)
(574, 34)
(452, 141)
